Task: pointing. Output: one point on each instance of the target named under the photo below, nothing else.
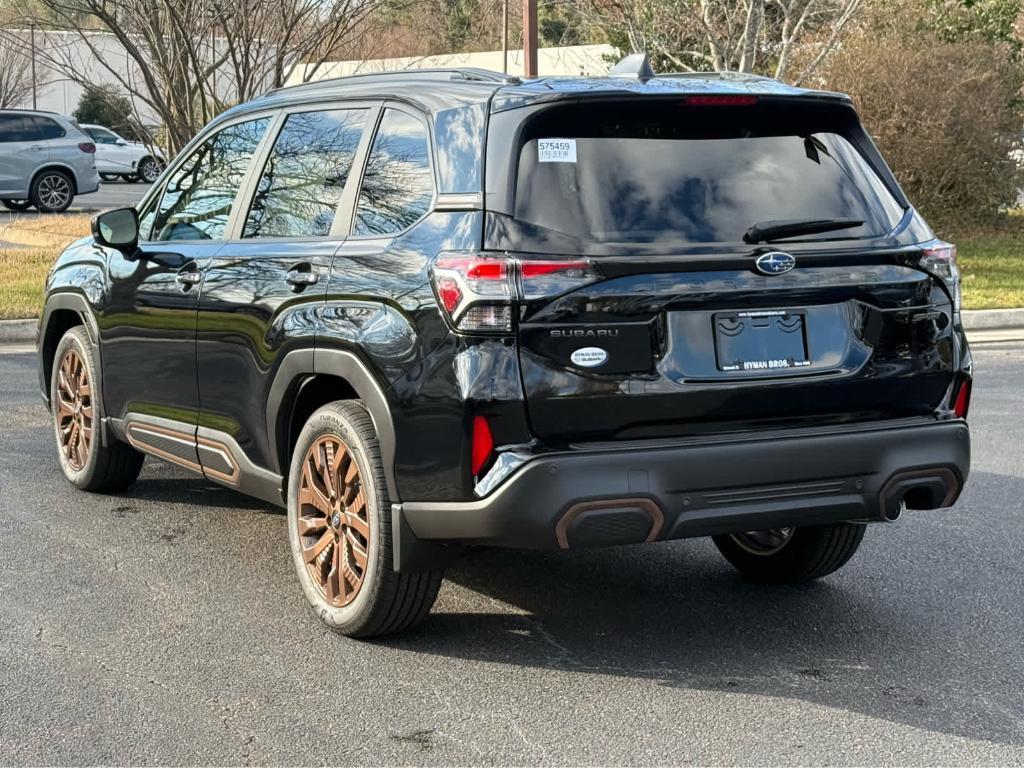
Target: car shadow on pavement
(864, 640)
(194, 490)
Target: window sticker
(556, 150)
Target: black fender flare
(347, 366)
(78, 304)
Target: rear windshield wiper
(766, 231)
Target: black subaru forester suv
(433, 309)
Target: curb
(992, 319)
(18, 331)
(21, 331)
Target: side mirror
(117, 229)
(121, 143)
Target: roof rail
(723, 75)
(473, 74)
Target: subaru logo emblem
(774, 263)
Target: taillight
(712, 100)
(541, 278)
(962, 402)
(475, 291)
(939, 258)
(483, 444)
(88, 147)
(478, 291)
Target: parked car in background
(116, 157)
(45, 161)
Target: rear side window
(198, 197)
(44, 128)
(398, 185)
(301, 185)
(669, 174)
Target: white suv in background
(116, 156)
(45, 160)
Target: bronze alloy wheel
(74, 409)
(334, 529)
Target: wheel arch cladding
(66, 170)
(338, 368)
(62, 313)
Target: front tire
(16, 205)
(77, 408)
(791, 555)
(110, 176)
(52, 192)
(339, 529)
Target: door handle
(36, 147)
(301, 276)
(188, 276)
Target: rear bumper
(598, 497)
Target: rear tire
(76, 404)
(16, 205)
(110, 176)
(52, 192)
(802, 555)
(339, 529)
(149, 170)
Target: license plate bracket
(759, 341)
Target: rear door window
(101, 135)
(198, 197)
(398, 185)
(667, 175)
(301, 185)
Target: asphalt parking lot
(166, 626)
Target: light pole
(32, 46)
(530, 37)
(504, 36)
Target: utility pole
(530, 37)
(504, 37)
(32, 45)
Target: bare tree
(186, 60)
(737, 35)
(15, 72)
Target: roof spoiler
(636, 65)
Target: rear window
(667, 174)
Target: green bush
(944, 106)
(108, 106)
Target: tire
(52, 192)
(16, 205)
(805, 553)
(110, 176)
(87, 463)
(149, 170)
(129, 178)
(353, 529)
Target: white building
(92, 63)
(591, 60)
